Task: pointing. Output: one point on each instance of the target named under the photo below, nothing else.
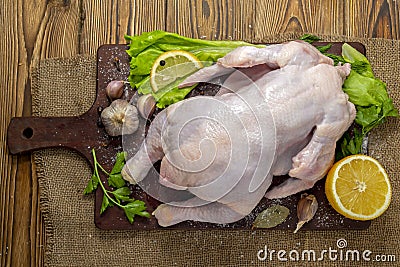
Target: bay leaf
(271, 217)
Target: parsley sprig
(309, 38)
(121, 195)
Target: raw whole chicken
(280, 111)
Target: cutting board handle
(32, 133)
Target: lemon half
(358, 187)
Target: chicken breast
(281, 113)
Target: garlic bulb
(120, 118)
(146, 105)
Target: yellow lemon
(358, 188)
(170, 67)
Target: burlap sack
(67, 87)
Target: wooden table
(34, 30)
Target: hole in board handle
(27, 133)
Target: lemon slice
(172, 66)
(358, 188)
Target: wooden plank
(213, 20)
(27, 213)
(372, 18)
(107, 22)
(21, 249)
(50, 31)
(95, 32)
(32, 15)
(59, 31)
(317, 16)
(13, 79)
(146, 16)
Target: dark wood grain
(214, 20)
(14, 75)
(324, 17)
(372, 18)
(35, 30)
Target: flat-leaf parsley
(120, 197)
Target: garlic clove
(115, 89)
(146, 105)
(120, 118)
(306, 209)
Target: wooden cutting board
(82, 133)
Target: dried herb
(306, 209)
(271, 217)
(117, 64)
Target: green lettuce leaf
(370, 97)
(358, 61)
(172, 96)
(144, 49)
(364, 91)
(368, 93)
